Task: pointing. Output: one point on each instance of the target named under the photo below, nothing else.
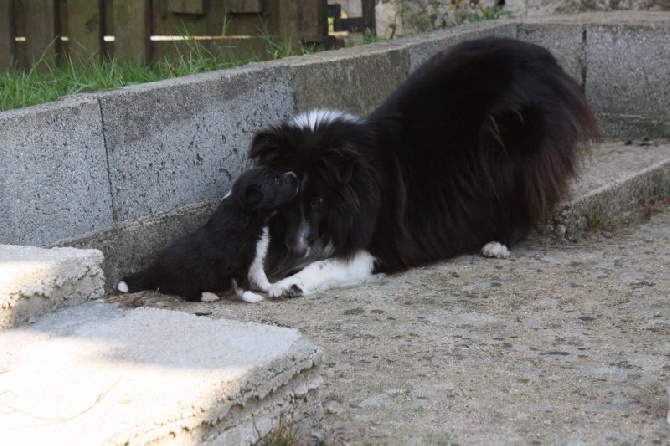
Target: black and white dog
(472, 151)
(228, 250)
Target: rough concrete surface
(318, 79)
(52, 164)
(617, 182)
(35, 280)
(423, 47)
(98, 375)
(564, 40)
(183, 141)
(561, 344)
(608, 52)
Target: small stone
(332, 407)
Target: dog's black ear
(268, 146)
(338, 165)
(253, 196)
(262, 142)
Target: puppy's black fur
(207, 259)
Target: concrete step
(35, 280)
(617, 182)
(95, 374)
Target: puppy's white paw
(495, 249)
(250, 296)
(122, 287)
(208, 297)
(289, 287)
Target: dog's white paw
(289, 287)
(495, 249)
(250, 296)
(208, 297)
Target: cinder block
(151, 376)
(35, 280)
(565, 41)
(628, 80)
(54, 182)
(356, 80)
(423, 47)
(183, 141)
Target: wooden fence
(139, 31)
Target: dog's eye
(317, 202)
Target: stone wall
(406, 17)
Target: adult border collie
(228, 250)
(473, 150)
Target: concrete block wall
(621, 59)
(125, 171)
(53, 172)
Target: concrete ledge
(34, 280)
(95, 374)
(614, 187)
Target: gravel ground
(563, 343)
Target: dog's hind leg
(208, 297)
(326, 274)
(496, 250)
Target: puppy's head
(264, 191)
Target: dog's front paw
(263, 286)
(250, 296)
(288, 287)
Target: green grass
(483, 14)
(47, 81)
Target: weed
(284, 434)
(597, 220)
(369, 36)
(482, 14)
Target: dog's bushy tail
(138, 281)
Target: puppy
(228, 250)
